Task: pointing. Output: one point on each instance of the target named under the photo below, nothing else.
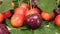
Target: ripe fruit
(46, 16)
(17, 20)
(57, 20)
(20, 11)
(33, 21)
(25, 6)
(3, 29)
(32, 11)
(7, 14)
(57, 11)
(1, 18)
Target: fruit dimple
(33, 21)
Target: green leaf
(46, 5)
(6, 5)
(19, 31)
(45, 29)
(8, 23)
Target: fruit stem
(34, 3)
(18, 3)
(57, 3)
(32, 31)
(30, 4)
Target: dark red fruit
(3, 29)
(33, 21)
(1, 17)
(57, 20)
(7, 14)
(57, 11)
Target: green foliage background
(46, 5)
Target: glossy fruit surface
(1, 17)
(20, 11)
(57, 20)
(32, 11)
(57, 11)
(25, 6)
(46, 16)
(17, 20)
(3, 29)
(7, 14)
(33, 21)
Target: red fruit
(32, 11)
(24, 5)
(3, 29)
(20, 11)
(33, 21)
(57, 20)
(46, 16)
(1, 18)
(7, 14)
(17, 20)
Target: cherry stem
(57, 3)
(18, 3)
(30, 4)
(32, 31)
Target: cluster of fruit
(3, 28)
(31, 17)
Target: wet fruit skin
(1, 17)
(20, 11)
(32, 11)
(57, 20)
(33, 21)
(25, 5)
(3, 29)
(46, 16)
(17, 20)
(7, 14)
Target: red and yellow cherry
(46, 16)
(17, 20)
(20, 11)
(32, 11)
(24, 5)
(1, 17)
(7, 14)
(57, 20)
